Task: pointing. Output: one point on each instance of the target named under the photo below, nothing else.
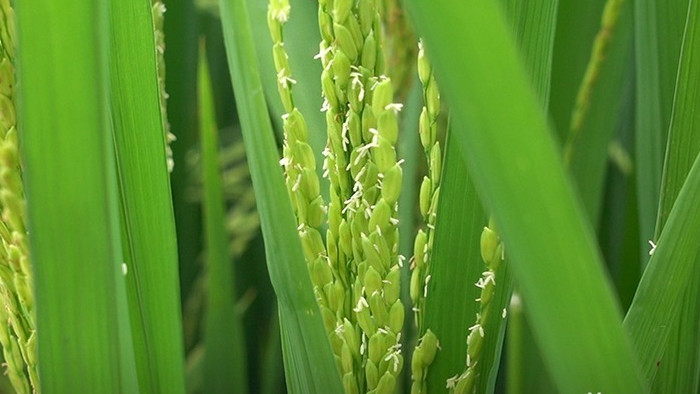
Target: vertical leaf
(680, 367)
(224, 355)
(659, 31)
(455, 264)
(72, 198)
(516, 169)
(308, 360)
(666, 277)
(150, 249)
(461, 220)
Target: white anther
(653, 247)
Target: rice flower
(428, 200)
(17, 321)
(158, 11)
(493, 255)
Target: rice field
(350, 196)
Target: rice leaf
(658, 36)
(515, 167)
(667, 275)
(272, 366)
(150, 248)
(532, 25)
(70, 180)
(225, 353)
(309, 363)
(455, 264)
(678, 368)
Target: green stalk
(596, 114)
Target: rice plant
(358, 196)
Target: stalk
(611, 14)
(17, 318)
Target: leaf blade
(69, 172)
(518, 173)
(300, 319)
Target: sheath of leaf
(423, 244)
(492, 253)
(17, 321)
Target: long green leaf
(659, 31)
(533, 23)
(225, 354)
(678, 369)
(308, 359)
(656, 302)
(455, 264)
(460, 216)
(684, 138)
(72, 198)
(516, 169)
(150, 246)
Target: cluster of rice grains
(356, 271)
(427, 346)
(17, 322)
(158, 12)
(493, 254)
